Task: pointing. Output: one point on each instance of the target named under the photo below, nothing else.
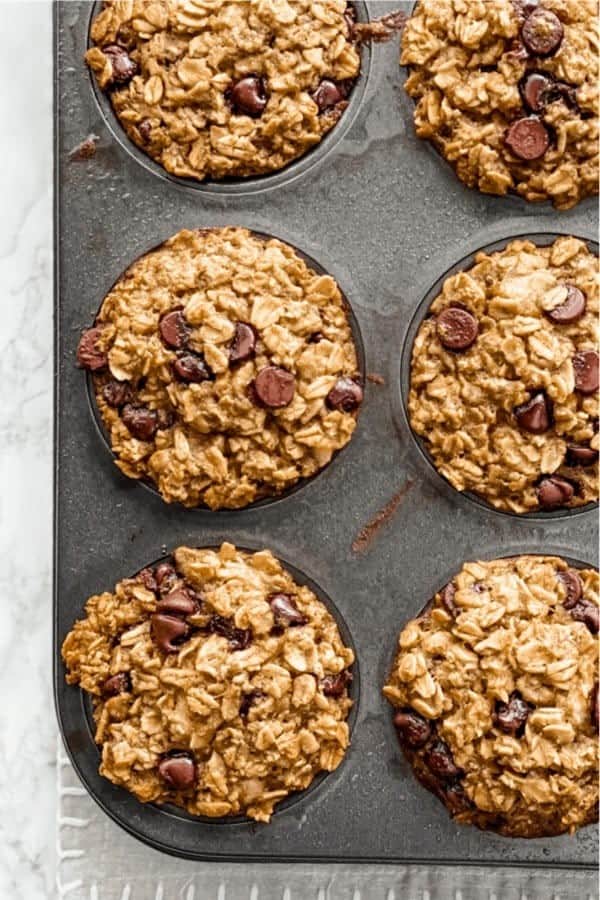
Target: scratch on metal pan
(369, 532)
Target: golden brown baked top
(225, 368)
(508, 93)
(495, 688)
(504, 377)
(218, 88)
(219, 684)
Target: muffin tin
(386, 219)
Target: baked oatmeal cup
(495, 695)
(224, 369)
(507, 92)
(503, 384)
(217, 89)
(219, 684)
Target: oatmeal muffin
(507, 91)
(504, 377)
(218, 683)
(495, 692)
(224, 368)
(218, 88)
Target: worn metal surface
(383, 213)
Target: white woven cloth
(99, 861)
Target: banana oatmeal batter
(224, 368)
(504, 377)
(495, 692)
(219, 684)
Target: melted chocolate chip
(553, 491)
(117, 393)
(140, 421)
(440, 761)
(585, 367)
(587, 612)
(511, 717)
(238, 638)
(174, 330)
(571, 310)
(179, 602)
(89, 355)
(536, 90)
(413, 729)
(534, 415)
(335, 685)
(285, 610)
(528, 138)
(328, 94)
(116, 684)
(243, 346)
(165, 574)
(248, 96)
(345, 396)
(178, 770)
(579, 455)
(542, 32)
(573, 587)
(447, 595)
(456, 328)
(274, 387)
(168, 632)
(147, 577)
(123, 67)
(191, 368)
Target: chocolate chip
(148, 579)
(191, 368)
(457, 328)
(536, 91)
(525, 7)
(578, 455)
(178, 770)
(140, 421)
(238, 638)
(553, 491)
(243, 345)
(328, 94)
(145, 130)
(274, 387)
(345, 396)
(123, 67)
(571, 310)
(573, 587)
(116, 684)
(89, 356)
(456, 799)
(585, 366)
(542, 32)
(511, 717)
(168, 632)
(534, 415)
(587, 612)
(413, 729)
(117, 393)
(335, 685)
(447, 595)
(439, 759)
(174, 330)
(528, 138)
(179, 602)
(285, 610)
(164, 570)
(595, 711)
(248, 96)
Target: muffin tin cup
(253, 184)
(303, 482)
(401, 386)
(382, 217)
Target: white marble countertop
(28, 730)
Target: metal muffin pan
(385, 218)
(257, 183)
(401, 382)
(360, 357)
